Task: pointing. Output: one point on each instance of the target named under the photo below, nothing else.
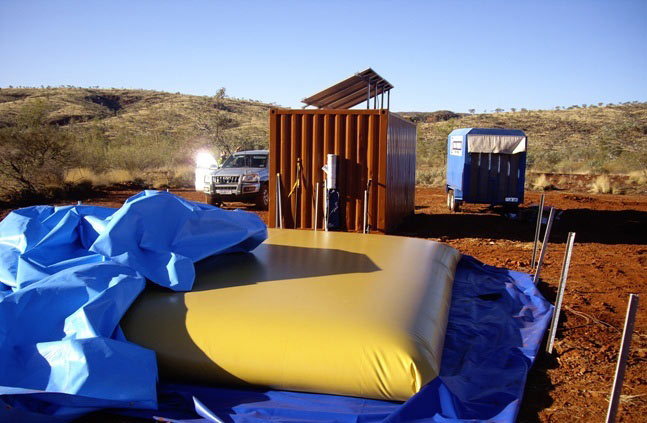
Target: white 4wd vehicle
(244, 177)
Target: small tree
(513, 109)
(33, 153)
(472, 111)
(221, 93)
(498, 110)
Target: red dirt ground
(609, 262)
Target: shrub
(33, 153)
(602, 184)
(541, 183)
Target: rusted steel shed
(372, 144)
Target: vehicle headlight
(251, 177)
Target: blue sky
(454, 55)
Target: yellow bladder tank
(328, 312)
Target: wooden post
(544, 244)
(540, 213)
(560, 293)
(614, 401)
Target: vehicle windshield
(246, 160)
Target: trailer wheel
(452, 204)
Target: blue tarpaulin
(68, 276)
(70, 273)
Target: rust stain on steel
(372, 144)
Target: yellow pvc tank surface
(327, 312)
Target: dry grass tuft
(541, 183)
(601, 185)
(638, 177)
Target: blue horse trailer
(486, 166)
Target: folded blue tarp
(62, 353)
(68, 275)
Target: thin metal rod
(278, 199)
(325, 198)
(316, 205)
(560, 293)
(540, 213)
(632, 308)
(368, 96)
(544, 244)
(276, 206)
(365, 209)
(388, 99)
(382, 98)
(295, 216)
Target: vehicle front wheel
(263, 198)
(212, 199)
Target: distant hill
(151, 132)
(595, 139)
(121, 112)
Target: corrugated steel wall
(401, 170)
(371, 144)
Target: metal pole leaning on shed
(540, 213)
(279, 214)
(325, 206)
(316, 206)
(365, 209)
(614, 401)
(544, 244)
(366, 191)
(560, 293)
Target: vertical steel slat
(544, 245)
(285, 171)
(274, 166)
(382, 176)
(361, 161)
(351, 176)
(306, 163)
(632, 308)
(371, 162)
(540, 214)
(317, 156)
(295, 154)
(560, 292)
